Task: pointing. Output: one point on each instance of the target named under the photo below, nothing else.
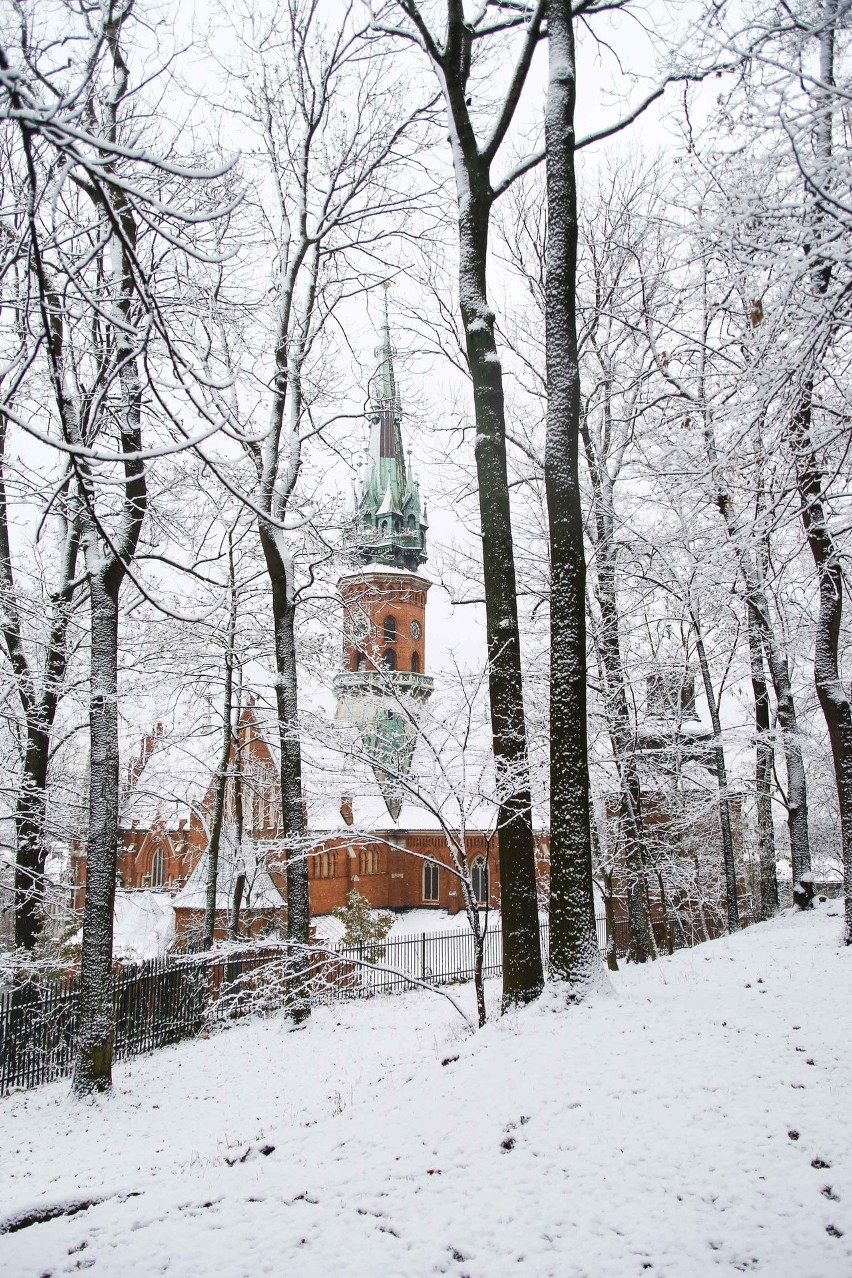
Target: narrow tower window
(158, 869)
(390, 659)
(390, 630)
(415, 663)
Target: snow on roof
(260, 892)
(143, 924)
(174, 778)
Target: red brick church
(363, 833)
(361, 840)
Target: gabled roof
(172, 776)
(260, 892)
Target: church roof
(260, 891)
(389, 521)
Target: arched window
(430, 881)
(390, 630)
(415, 663)
(158, 869)
(324, 865)
(368, 861)
(360, 661)
(384, 527)
(479, 877)
(390, 659)
(412, 523)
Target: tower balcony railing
(384, 682)
(359, 536)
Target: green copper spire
(389, 524)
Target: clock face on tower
(414, 630)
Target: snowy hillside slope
(696, 1121)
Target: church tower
(384, 597)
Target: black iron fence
(165, 1000)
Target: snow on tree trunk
(39, 708)
(93, 1066)
(728, 859)
(294, 825)
(522, 968)
(574, 955)
(761, 631)
(831, 691)
(641, 938)
(107, 563)
(764, 764)
(224, 760)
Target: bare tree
(336, 141)
(444, 773)
(799, 75)
(99, 320)
(454, 58)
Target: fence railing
(162, 1001)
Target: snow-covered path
(698, 1121)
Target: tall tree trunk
(641, 938)
(523, 976)
(224, 762)
(219, 801)
(751, 565)
(522, 968)
(728, 859)
(797, 790)
(39, 709)
(664, 908)
(764, 764)
(93, 1066)
(236, 903)
(609, 915)
(107, 564)
(574, 954)
(294, 826)
(831, 691)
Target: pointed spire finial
(387, 351)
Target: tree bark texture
(764, 765)
(39, 706)
(107, 564)
(221, 782)
(574, 955)
(93, 1066)
(523, 976)
(294, 827)
(728, 859)
(522, 968)
(641, 945)
(831, 691)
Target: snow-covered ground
(696, 1121)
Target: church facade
(398, 860)
(368, 834)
